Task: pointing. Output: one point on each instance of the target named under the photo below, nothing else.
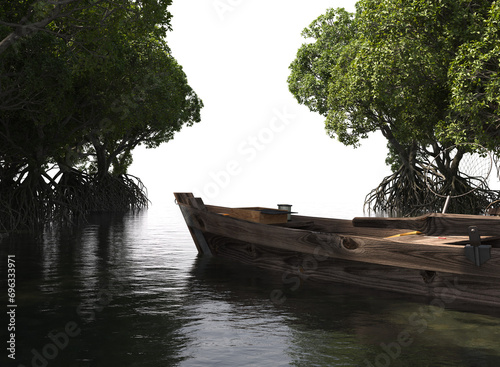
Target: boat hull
(359, 257)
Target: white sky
(255, 145)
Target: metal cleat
(475, 252)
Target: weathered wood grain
(260, 215)
(185, 200)
(443, 289)
(384, 251)
(333, 250)
(436, 224)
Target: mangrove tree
(82, 83)
(388, 68)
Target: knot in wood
(428, 276)
(251, 251)
(349, 243)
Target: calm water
(131, 291)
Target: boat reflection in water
(140, 296)
(325, 325)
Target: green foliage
(82, 83)
(475, 85)
(311, 73)
(386, 68)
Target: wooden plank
(443, 288)
(253, 214)
(260, 215)
(185, 200)
(346, 227)
(414, 223)
(297, 224)
(448, 240)
(436, 224)
(422, 256)
(197, 203)
(218, 209)
(183, 197)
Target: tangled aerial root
(37, 202)
(406, 193)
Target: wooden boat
(449, 258)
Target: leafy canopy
(475, 86)
(415, 70)
(384, 68)
(82, 83)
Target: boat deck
(348, 228)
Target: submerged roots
(35, 203)
(118, 194)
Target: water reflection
(135, 291)
(113, 280)
(238, 323)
